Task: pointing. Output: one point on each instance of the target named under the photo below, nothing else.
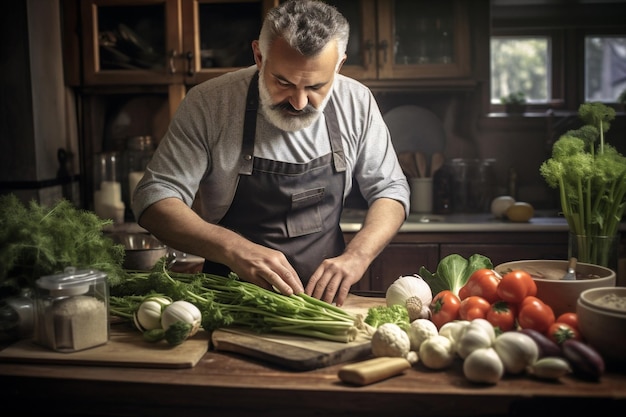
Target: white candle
(111, 192)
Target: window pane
(520, 63)
(605, 68)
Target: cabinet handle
(173, 55)
(369, 48)
(190, 64)
(384, 46)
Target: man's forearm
(382, 222)
(179, 227)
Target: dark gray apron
(294, 208)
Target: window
(521, 64)
(605, 67)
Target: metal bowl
(143, 250)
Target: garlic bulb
(412, 292)
(148, 315)
(182, 311)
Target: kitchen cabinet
(408, 251)
(155, 42)
(150, 42)
(405, 40)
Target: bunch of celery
(591, 178)
(229, 301)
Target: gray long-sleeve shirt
(200, 153)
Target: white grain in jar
(72, 310)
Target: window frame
(557, 69)
(581, 42)
(567, 25)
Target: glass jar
(473, 184)
(72, 310)
(107, 198)
(139, 151)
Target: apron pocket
(304, 217)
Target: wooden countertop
(223, 383)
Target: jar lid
(71, 281)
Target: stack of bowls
(602, 322)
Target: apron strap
(249, 131)
(249, 126)
(332, 124)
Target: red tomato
(444, 308)
(515, 286)
(568, 318)
(535, 314)
(502, 315)
(474, 307)
(483, 283)
(531, 299)
(560, 332)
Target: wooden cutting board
(126, 347)
(294, 352)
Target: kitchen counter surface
(543, 221)
(228, 384)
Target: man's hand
(265, 267)
(334, 277)
(332, 280)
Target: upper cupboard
(158, 42)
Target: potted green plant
(591, 178)
(514, 102)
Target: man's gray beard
(282, 120)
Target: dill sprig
(36, 240)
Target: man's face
(294, 89)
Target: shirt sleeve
(375, 165)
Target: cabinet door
(130, 41)
(361, 62)
(218, 35)
(406, 39)
(423, 39)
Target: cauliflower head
(390, 340)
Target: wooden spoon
(407, 162)
(420, 161)
(436, 162)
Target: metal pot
(143, 250)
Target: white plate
(415, 128)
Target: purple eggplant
(546, 346)
(586, 362)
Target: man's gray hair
(307, 26)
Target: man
(266, 155)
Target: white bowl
(561, 295)
(604, 328)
